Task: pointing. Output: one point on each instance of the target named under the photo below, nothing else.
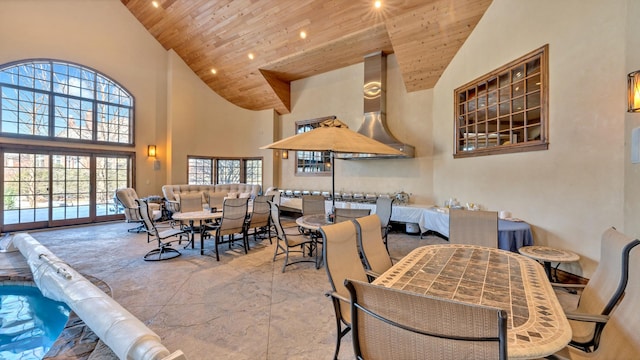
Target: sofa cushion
(170, 191)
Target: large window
(227, 171)
(504, 111)
(52, 187)
(62, 182)
(54, 99)
(253, 171)
(312, 163)
(200, 171)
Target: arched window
(61, 100)
(63, 182)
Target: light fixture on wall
(285, 154)
(633, 81)
(151, 151)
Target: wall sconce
(151, 151)
(633, 81)
(285, 154)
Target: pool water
(29, 322)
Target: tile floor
(242, 307)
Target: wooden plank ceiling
(220, 34)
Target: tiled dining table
(536, 326)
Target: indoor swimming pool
(29, 322)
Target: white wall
(572, 192)
(632, 120)
(103, 35)
(200, 122)
(339, 93)
(175, 110)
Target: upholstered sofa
(211, 194)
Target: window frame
(95, 102)
(84, 198)
(324, 155)
(214, 168)
(100, 193)
(205, 175)
(481, 89)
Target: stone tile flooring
(242, 307)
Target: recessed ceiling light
(213, 71)
(250, 56)
(377, 4)
(155, 4)
(303, 35)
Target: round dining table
(192, 217)
(313, 224)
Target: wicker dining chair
(259, 218)
(473, 227)
(395, 324)
(604, 289)
(163, 251)
(216, 200)
(233, 221)
(343, 214)
(384, 209)
(342, 261)
(620, 338)
(287, 243)
(313, 204)
(191, 202)
(374, 253)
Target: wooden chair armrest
(587, 317)
(296, 233)
(211, 226)
(335, 295)
(571, 286)
(371, 273)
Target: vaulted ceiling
(220, 34)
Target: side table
(547, 255)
